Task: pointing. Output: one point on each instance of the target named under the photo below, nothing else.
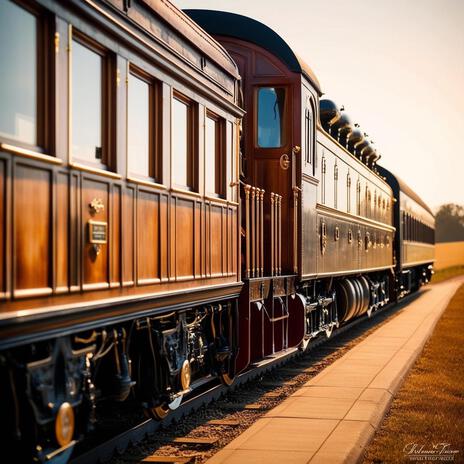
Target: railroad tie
(171, 459)
(227, 422)
(254, 406)
(278, 383)
(204, 442)
(272, 395)
(241, 406)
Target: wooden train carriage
(115, 163)
(118, 212)
(336, 212)
(415, 235)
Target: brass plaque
(97, 231)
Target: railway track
(277, 378)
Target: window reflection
(18, 74)
(86, 104)
(180, 155)
(138, 126)
(271, 103)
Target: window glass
(138, 126)
(211, 155)
(86, 103)
(271, 103)
(309, 136)
(180, 158)
(18, 74)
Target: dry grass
(448, 273)
(429, 408)
(449, 254)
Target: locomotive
(177, 203)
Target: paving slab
(333, 417)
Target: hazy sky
(398, 68)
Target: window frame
(284, 117)
(309, 134)
(192, 146)
(108, 103)
(45, 82)
(155, 167)
(219, 153)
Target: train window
(348, 192)
(88, 103)
(182, 133)
(214, 154)
(309, 137)
(271, 105)
(18, 79)
(142, 126)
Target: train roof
(241, 27)
(188, 28)
(398, 184)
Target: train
(178, 204)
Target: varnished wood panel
(128, 246)
(74, 233)
(32, 229)
(198, 239)
(147, 237)
(62, 231)
(164, 234)
(184, 243)
(230, 238)
(234, 239)
(95, 267)
(207, 233)
(115, 241)
(217, 240)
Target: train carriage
(414, 236)
(118, 212)
(334, 245)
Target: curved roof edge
(190, 30)
(248, 29)
(403, 187)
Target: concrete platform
(333, 417)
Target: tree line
(449, 223)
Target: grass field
(449, 255)
(427, 414)
(448, 273)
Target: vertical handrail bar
(253, 231)
(247, 189)
(262, 231)
(280, 234)
(272, 233)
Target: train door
(273, 167)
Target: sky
(397, 66)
